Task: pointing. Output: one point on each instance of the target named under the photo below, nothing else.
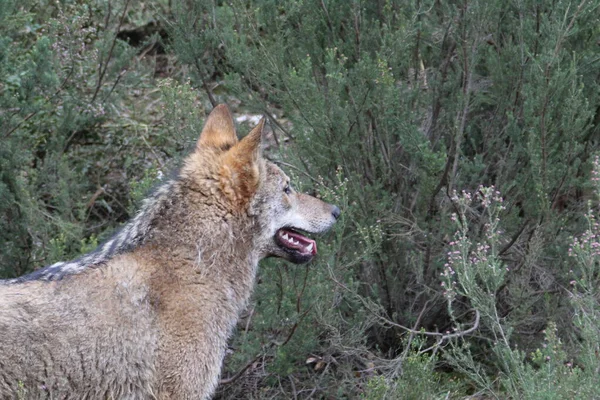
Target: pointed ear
(249, 149)
(219, 130)
(241, 167)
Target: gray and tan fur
(148, 314)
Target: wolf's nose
(336, 212)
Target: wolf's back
(74, 340)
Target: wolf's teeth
(310, 247)
(285, 236)
(295, 242)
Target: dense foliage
(459, 139)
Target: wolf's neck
(132, 235)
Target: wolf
(147, 315)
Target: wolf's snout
(336, 212)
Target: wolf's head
(248, 185)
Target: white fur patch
(130, 236)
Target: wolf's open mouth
(292, 240)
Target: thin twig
(442, 336)
(248, 321)
(121, 74)
(329, 24)
(273, 120)
(240, 372)
(514, 238)
(103, 69)
(201, 73)
(60, 88)
(297, 169)
(441, 339)
(93, 199)
(417, 322)
(294, 392)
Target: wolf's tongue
(296, 241)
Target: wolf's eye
(287, 189)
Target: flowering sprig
(585, 249)
(596, 174)
(472, 268)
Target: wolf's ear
(219, 130)
(249, 149)
(241, 167)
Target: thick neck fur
(201, 238)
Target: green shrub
(76, 127)
(386, 108)
(412, 101)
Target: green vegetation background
(458, 137)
